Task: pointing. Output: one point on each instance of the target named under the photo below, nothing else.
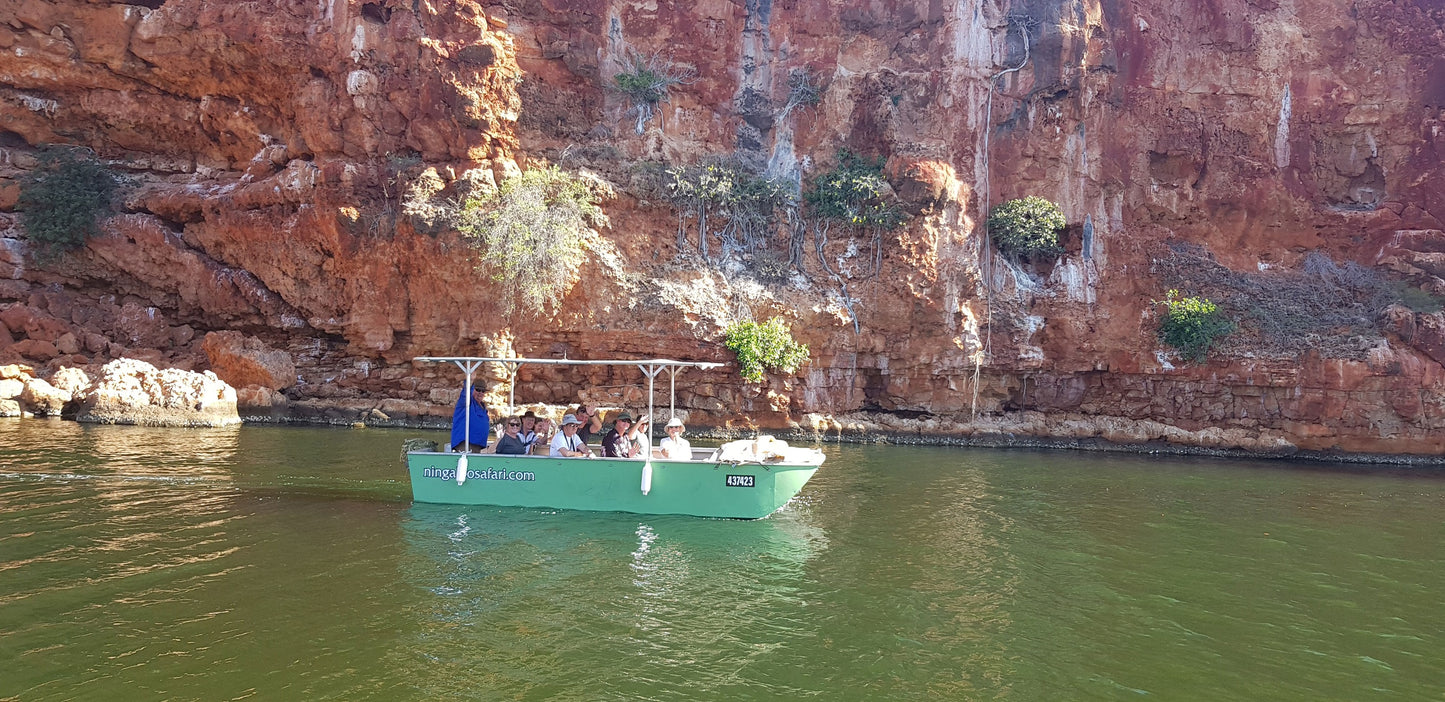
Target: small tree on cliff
(1027, 226)
(62, 200)
(746, 202)
(767, 346)
(532, 233)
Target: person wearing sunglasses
(511, 443)
(590, 420)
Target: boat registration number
(739, 481)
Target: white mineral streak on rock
(1281, 131)
(135, 392)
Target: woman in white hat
(673, 446)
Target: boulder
(9, 408)
(35, 349)
(71, 380)
(259, 397)
(16, 371)
(143, 325)
(24, 320)
(43, 399)
(67, 344)
(10, 388)
(128, 391)
(241, 360)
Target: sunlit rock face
(286, 160)
(247, 361)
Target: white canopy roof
(650, 367)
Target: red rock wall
(267, 142)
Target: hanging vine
(1023, 23)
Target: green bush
(1192, 325)
(644, 85)
(532, 232)
(1027, 226)
(62, 200)
(745, 200)
(853, 194)
(768, 346)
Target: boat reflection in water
(639, 596)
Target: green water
(289, 564)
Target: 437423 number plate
(739, 481)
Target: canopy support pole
(650, 370)
(672, 399)
(512, 368)
(469, 367)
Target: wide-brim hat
(624, 417)
(674, 422)
(570, 419)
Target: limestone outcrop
(127, 391)
(282, 194)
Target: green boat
(742, 480)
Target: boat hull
(704, 489)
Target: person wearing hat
(673, 446)
(532, 430)
(619, 443)
(479, 424)
(566, 444)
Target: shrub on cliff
(63, 199)
(645, 81)
(767, 346)
(1192, 325)
(1027, 226)
(531, 233)
(744, 199)
(854, 196)
(804, 90)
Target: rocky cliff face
(1287, 153)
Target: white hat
(674, 422)
(570, 419)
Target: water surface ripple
(286, 563)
